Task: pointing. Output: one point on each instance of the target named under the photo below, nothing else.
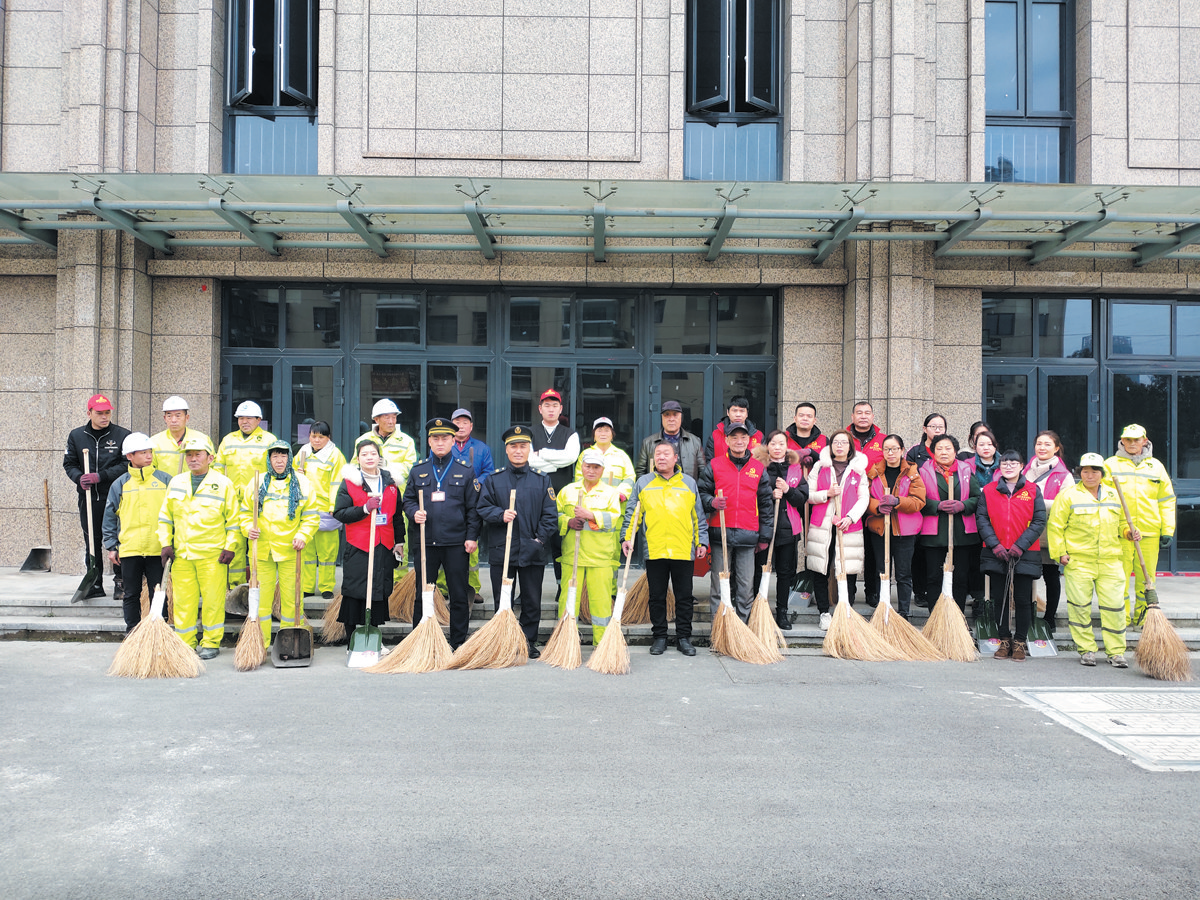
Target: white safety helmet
(384, 407)
(135, 442)
(173, 403)
(248, 408)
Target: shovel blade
(85, 587)
(365, 645)
(38, 560)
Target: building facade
(316, 203)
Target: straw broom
(611, 656)
(893, 627)
(562, 650)
(153, 649)
(762, 622)
(1160, 653)
(251, 649)
(946, 628)
(333, 630)
(730, 635)
(500, 643)
(425, 648)
(637, 604)
(403, 600)
(145, 601)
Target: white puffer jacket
(824, 512)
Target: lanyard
(444, 473)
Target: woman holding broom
(897, 492)
(1011, 517)
(367, 490)
(1048, 471)
(840, 471)
(951, 496)
(790, 487)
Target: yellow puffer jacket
(241, 455)
(199, 525)
(1086, 528)
(1148, 491)
(323, 470)
(399, 454)
(672, 518)
(618, 469)
(168, 457)
(131, 513)
(599, 541)
(277, 530)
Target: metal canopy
(491, 216)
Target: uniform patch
(550, 491)
(478, 486)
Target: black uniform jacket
(104, 456)
(537, 515)
(451, 520)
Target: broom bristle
(637, 603)
(850, 636)
(1161, 653)
(497, 645)
(562, 650)
(903, 635)
(250, 651)
(237, 600)
(611, 657)
(763, 624)
(946, 628)
(585, 610)
(332, 630)
(145, 599)
(424, 649)
(733, 638)
(403, 597)
(154, 650)
(277, 605)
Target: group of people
(816, 505)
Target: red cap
(100, 402)
(550, 394)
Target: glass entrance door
(1070, 404)
(314, 393)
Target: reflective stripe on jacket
(399, 453)
(600, 539)
(1148, 491)
(131, 513)
(618, 469)
(168, 455)
(276, 530)
(200, 525)
(323, 469)
(1086, 528)
(241, 455)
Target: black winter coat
(104, 456)
(1030, 562)
(450, 521)
(537, 515)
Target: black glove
(89, 480)
(226, 557)
(168, 554)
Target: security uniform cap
(1094, 461)
(174, 403)
(248, 408)
(384, 407)
(517, 434)
(440, 426)
(1133, 431)
(135, 442)
(199, 442)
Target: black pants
(821, 581)
(454, 560)
(1022, 599)
(784, 565)
(934, 559)
(1053, 580)
(679, 572)
(920, 579)
(529, 580)
(760, 560)
(133, 568)
(902, 555)
(98, 522)
(974, 574)
(871, 567)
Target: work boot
(659, 645)
(208, 652)
(326, 595)
(685, 647)
(1003, 649)
(1019, 651)
(1118, 662)
(782, 619)
(534, 652)
(1087, 659)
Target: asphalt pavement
(700, 777)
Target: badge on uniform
(478, 486)
(550, 491)
(437, 496)
(380, 518)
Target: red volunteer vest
(741, 490)
(1010, 514)
(358, 533)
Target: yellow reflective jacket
(399, 454)
(618, 469)
(168, 455)
(1148, 491)
(131, 513)
(1086, 528)
(277, 530)
(241, 455)
(672, 518)
(599, 541)
(323, 469)
(199, 525)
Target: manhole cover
(1158, 728)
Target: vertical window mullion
(296, 23)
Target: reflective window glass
(528, 382)
(312, 401)
(607, 322)
(1188, 423)
(1067, 412)
(1024, 153)
(752, 386)
(1187, 533)
(390, 318)
(401, 385)
(745, 324)
(1143, 399)
(252, 314)
(681, 324)
(1141, 329)
(1187, 329)
(687, 389)
(313, 318)
(255, 383)
(1007, 326)
(539, 321)
(458, 387)
(1007, 411)
(1045, 58)
(1065, 328)
(452, 320)
(1000, 38)
(608, 392)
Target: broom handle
(835, 536)
(887, 549)
(575, 562)
(91, 525)
(371, 566)
(512, 504)
(46, 493)
(421, 508)
(254, 543)
(774, 528)
(948, 566)
(1137, 545)
(724, 549)
(297, 602)
(633, 524)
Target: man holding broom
(673, 526)
(240, 457)
(443, 493)
(198, 529)
(589, 512)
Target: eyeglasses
(1010, 462)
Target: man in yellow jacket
(589, 517)
(198, 529)
(239, 458)
(1151, 499)
(287, 520)
(1085, 532)
(168, 443)
(322, 462)
(131, 525)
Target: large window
(1029, 86)
(732, 130)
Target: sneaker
(1087, 659)
(1019, 651)
(826, 621)
(1003, 649)
(208, 652)
(326, 595)
(1118, 662)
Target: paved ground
(688, 778)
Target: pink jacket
(962, 491)
(909, 522)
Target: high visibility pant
(237, 568)
(193, 579)
(1107, 579)
(283, 574)
(320, 562)
(599, 581)
(1130, 562)
(472, 576)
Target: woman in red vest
(1051, 475)
(896, 489)
(1011, 517)
(367, 490)
(837, 490)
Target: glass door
(1069, 403)
(1007, 395)
(314, 392)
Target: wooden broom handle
(633, 524)
(254, 543)
(91, 526)
(724, 549)
(575, 562)
(371, 563)
(835, 534)
(298, 599)
(887, 548)
(421, 508)
(948, 565)
(512, 504)
(1137, 545)
(774, 528)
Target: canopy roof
(492, 215)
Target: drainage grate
(1157, 728)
